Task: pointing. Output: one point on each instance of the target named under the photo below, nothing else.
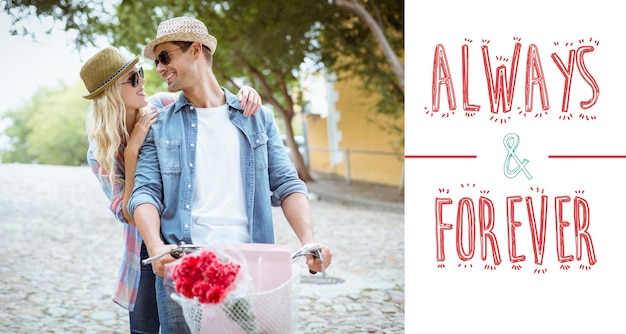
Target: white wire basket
(275, 311)
(267, 305)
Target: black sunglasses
(134, 78)
(164, 57)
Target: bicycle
(270, 307)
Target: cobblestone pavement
(62, 248)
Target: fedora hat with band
(102, 69)
(181, 29)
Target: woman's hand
(140, 131)
(250, 100)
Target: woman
(117, 124)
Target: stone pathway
(62, 247)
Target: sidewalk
(332, 188)
(64, 250)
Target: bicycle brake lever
(175, 252)
(156, 257)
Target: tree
(17, 133)
(84, 16)
(261, 43)
(365, 38)
(49, 129)
(376, 27)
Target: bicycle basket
(266, 303)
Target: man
(206, 174)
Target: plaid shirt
(125, 292)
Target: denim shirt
(165, 171)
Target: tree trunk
(357, 9)
(286, 113)
(298, 161)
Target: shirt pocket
(169, 155)
(259, 145)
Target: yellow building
(346, 137)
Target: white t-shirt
(219, 207)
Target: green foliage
(348, 48)
(84, 16)
(18, 134)
(261, 43)
(49, 129)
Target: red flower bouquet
(211, 279)
(205, 276)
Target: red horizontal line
(440, 156)
(586, 156)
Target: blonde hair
(106, 126)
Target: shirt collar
(231, 101)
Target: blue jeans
(145, 319)
(170, 312)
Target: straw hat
(181, 29)
(102, 69)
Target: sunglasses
(134, 78)
(164, 57)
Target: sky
(32, 64)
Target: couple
(205, 167)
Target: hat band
(113, 76)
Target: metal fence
(346, 154)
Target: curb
(355, 201)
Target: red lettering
(535, 76)
(567, 73)
(466, 221)
(501, 81)
(501, 91)
(595, 90)
(466, 208)
(487, 222)
(512, 225)
(581, 209)
(442, 76)
(466, 105)
(560, 226)
(440, 226)
(538, 234)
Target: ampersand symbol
(511, 141)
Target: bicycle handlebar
(175, 252)
(314, 250)
(310, 249)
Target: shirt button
(257, 141)
(167, 142)
(191, 165)
(189, 186)
(187, 226)
(192, 145)
(187, 206)
(192, 108)
(193, 125)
